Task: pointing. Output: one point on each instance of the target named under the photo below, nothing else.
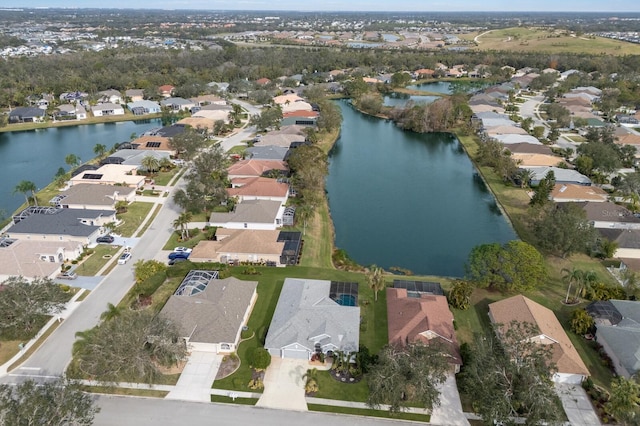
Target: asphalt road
(129, 411)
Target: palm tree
(570, 276)
(99, 150)
(525, 175)
(25, 187)
(72, 160)
(310, 380)
(589, 278)
(181, 223)
(375, 280)
(111, 312)
(151, 163)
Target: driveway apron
(283, 385)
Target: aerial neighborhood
(197, 261)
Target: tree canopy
(187, 143)
(403, 376)
(563, 229)
(51, 403)
(25, 305)
(514, 266)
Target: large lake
(36, 155)
(408, 200)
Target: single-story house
(610, 215)
(111, 174)
(143, 107)
(287, 99)
(208, 100)
(213, 114)
(561, 175)
(269, 152)
(259, 188)
(569, 365)
(241, 245)
(70, 111)
(300, 118)
(251, 214)
(96, 197)
(504, 130)
(153, 143)
(255, 168)
(282, 140)
(537, 160)
(134, 157)
(568, 192)
(628, 241)
(31, 259)
(108, 108)
(177, 104)
(134, 95)
(512, 139)
(211, 312)
(26, 115)
(314, 316)
(166, 90)
(296, 106)
(618, 331)
(111, 96)
(56, 224)
(530, 148)
(417, 317)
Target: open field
(550, 41)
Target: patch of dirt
(174, 369)
(228, 366)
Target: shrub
(256, 384)
(259, 358)
(151, 284)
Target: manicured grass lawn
(174, 240)
(330, 388)
(373, 333)
(8, 348)
(156, 210)
(163, 178)
(136, 212)
(238, 149)
(228, 400)
(318, 239)
(370, 413)
(92, 264)
(149, 393)
(576, 138)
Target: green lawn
(330, 388)
(174, 240)
(131, 220)
(156, 210)
(369, 413)
(373, 332)
(163, 178)
(229, 400)
(92, 264)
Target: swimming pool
(346, 300)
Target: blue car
(179, 255)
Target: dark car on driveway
(105, 239)
(178, 255)
(177, 260)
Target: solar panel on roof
(153, 145)
(419, 287)
(93, 176)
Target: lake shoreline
(27, 127)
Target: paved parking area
(577, 405)
(283, 385)
(449, 412)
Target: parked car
(69, 275)
(177, 260)
(182, 250)
(108, 239)
(124, 258)
(179, 255)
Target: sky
(352, 5)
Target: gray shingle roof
(214, 315)
(64, 222)
(86, 193)
(306, 315)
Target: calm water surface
(408, 200)
(36, 155)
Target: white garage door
(574, 379)
(295, 353)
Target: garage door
(295, 353)
(574, 379)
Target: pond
(408, 200)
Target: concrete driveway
(449, 412)
(283, 385)
(197, 377)
(577, 405)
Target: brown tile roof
(572, 192)
(255, 167)
(259, 187)
(300, 113)
(412, 319)
(143, 140)
(530, 148)
(532, 159)
(628, 139)
(522, 309)
(234, 241)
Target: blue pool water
(346, 300)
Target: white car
(124, 258)
(182, 250)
